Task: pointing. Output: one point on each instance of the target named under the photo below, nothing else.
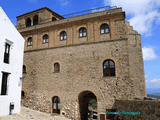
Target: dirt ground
(28, 114)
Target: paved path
(28, 114)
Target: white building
(11, 62)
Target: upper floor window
(56, 104)
(104, 28)
(4, 83)
(24, 69)
(54, 19)
(45, 38)
(82, 32)
(28, 22)
(56, 67)
(108, 68)
(6, 53)
(35, 20)
(63, 35)
(29, 41)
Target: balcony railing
(70, 15)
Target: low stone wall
(136, 110)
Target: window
(56, 67)
(54, 19)
(22, 94)
(24, 69)
(108, 68)
(28, 22)
(45, 38)
(4, 83)
(104, 28)
(35, 20)
(6, 53)
(56, 104)
(29, 41)
(82, 32)
(63, 35)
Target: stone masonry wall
(81, 64)
(81, 69)
(148, 109)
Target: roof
(54, 13)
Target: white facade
(10, 35)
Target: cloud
(155, 81)
(64, 2)
(143, 22)
(143, 13)
(148, 53)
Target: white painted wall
(8, 32)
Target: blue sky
(144, 16)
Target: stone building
(79, 66)
(11, 62)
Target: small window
(4, 83)
(29, 41)
(104, 28)
(54, 19)
(28, 22)
(82, 32)
(22, 94)
(56, 104)
(7, 53)
(35, 20)
(108, 68)
(56, 67)
(45, 38)
(24, 69)
(63, 35)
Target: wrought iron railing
(70, 15)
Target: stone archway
(88, 106)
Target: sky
(143, 15)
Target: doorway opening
(88, 106)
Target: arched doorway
(35, 20)
(28, 22)
(56, 105)
(88, 105)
